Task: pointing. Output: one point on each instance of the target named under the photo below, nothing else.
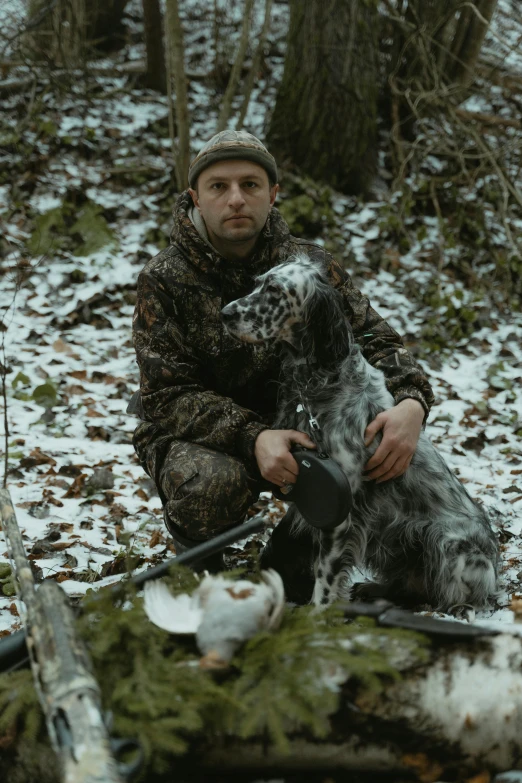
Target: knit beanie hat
(232, 145)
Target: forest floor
(85, 201)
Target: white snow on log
(476, 699)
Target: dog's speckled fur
(421, 534)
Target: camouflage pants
(203, 491)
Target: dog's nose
(229, 314)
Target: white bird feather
(223, 614)
(179, 614)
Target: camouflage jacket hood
(200, 385)
(186, 236)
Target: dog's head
(293, 303)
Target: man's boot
(292, 556)
(213, 563)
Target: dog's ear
(326, 334)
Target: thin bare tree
(256, 62)
(235, 75)
(155, 76)
(176, 75)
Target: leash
(316, 433)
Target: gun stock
(67, 690)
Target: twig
(488, 119)
(440, 221)
(396, 130)
(3, 373)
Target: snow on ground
(70, 357)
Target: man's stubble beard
(233, 238)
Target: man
(207, 401)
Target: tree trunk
(176, 63)
(65, 32)
(468, 52)
(325, 118)
(155, 76)
(440, 46)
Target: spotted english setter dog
(421, 534)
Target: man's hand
(401, 428)
(273, 455)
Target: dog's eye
(273, 289)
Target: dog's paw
(463, 612)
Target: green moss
(306, 206)
(82, 229)
(7, 584)
(48, 232)
(304, 216)
(93, 230)
(77, 276)
(157, 237)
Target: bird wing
(179, 614)
(274, 582)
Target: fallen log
(457, 715)
(453, 715)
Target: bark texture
(455, 716)
(155, 76)
(472, 37)
(66, 31)
(440, 45)
(326, 109)
(176, 68)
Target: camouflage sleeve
(172, 390)
(381, 345)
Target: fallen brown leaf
(75, 490)
(60, 346)
(92, 414)
(156, 538)
(36, 457)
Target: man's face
(234, 198)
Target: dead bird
(223, 614)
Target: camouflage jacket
(200, 385)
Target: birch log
(457, 715)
